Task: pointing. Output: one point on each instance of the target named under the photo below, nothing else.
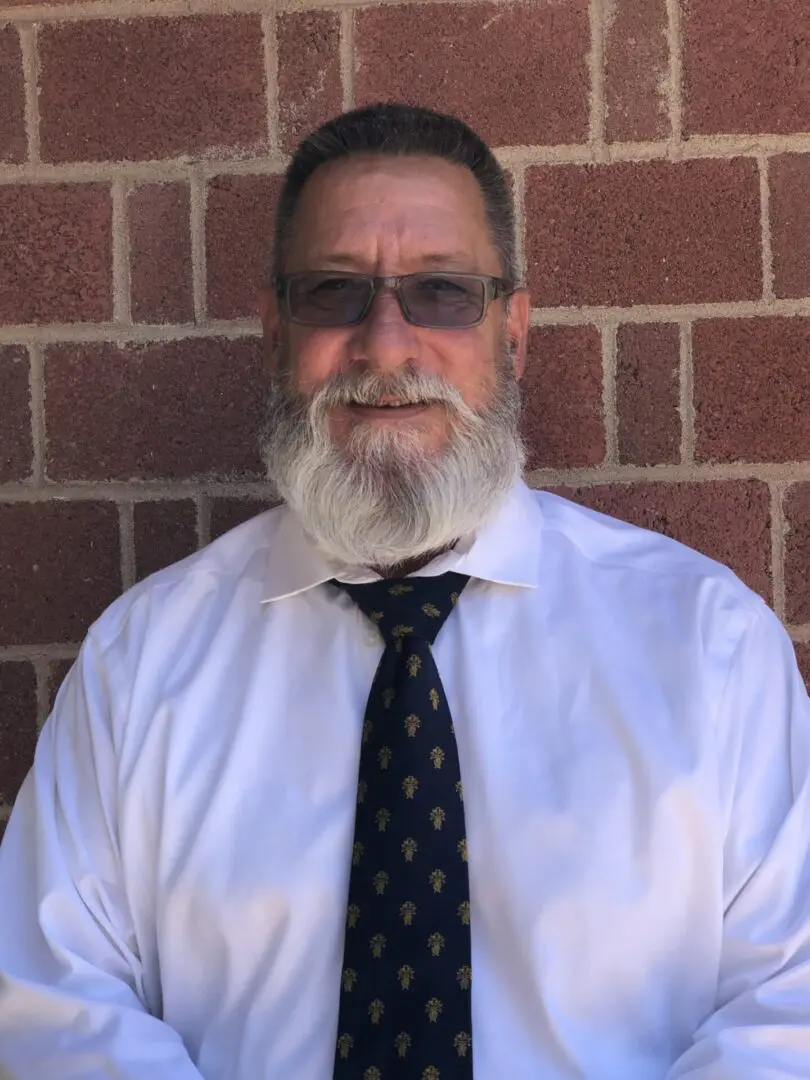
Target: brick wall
(660, 157)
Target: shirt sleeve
(72, 1001)
(760, 1026)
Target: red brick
(790, 224)
(238, 233)
(160, 253)
(174, 409)
(55, 253)
(752, 389)
(517, 73)
(226, 514)
(636, 70)
(746, 66)
(16, 448)
(643, 233)
(797, 554)
(562, 397)
(18, 726)
(803, 658)
(152, 88)
(648, 393)
(59, 568)
(12, 97)
(165, 532)
(57, 672)
(727, 520)
(309, 84)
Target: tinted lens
(327, 299)
(444, 300)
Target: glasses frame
(494, 288)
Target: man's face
(427, 470)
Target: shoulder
(608, 543)
(230, 568)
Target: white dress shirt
(634, 741)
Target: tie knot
(408, 607)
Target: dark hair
(396, 129)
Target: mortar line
(111, 491)
(800, 634)
(675, 80)
(197, 202)
(686, 394)
(777, 491)
(42, 671)
(126, 524)
(519, 202)
(50, 653)
(609, 393)
(36, 385)
(122, 274)
(203, 504)
(768, 294)
(347, 56)
(30, 66)
(270, 49)
(596, 67)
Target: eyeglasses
(438, 301)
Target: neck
(410, 566)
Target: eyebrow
(441, 259)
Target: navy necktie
(405, 985)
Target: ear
(517, 327)
(271, 322)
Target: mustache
(411, 387)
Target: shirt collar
(506, 550)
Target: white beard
(383, 501)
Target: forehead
(376, 210)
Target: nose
(384, 340)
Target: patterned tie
(405, 988)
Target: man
(425, 775)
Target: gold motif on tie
(437, 757)
(464, 976)
(378, 943)
(436, 944)
(409, 848)
(403, 1043)
(462, 1043)
(349, 979)
(407, 911)
(437, 816)
(405, 976)
(357, 854)
(434, 699)
(459, 790)
(410, 785)
(388, 697)
(454, 598)
(375, 1010)
(433, 1009)
(377, 616)
(437, 880)
(462, 849)
(372, 1074)
(384, 756)
(352, 915)
(362, 790)
(414, 663)
(464, 912)
(380, 880)
(431, 610)
(412, 723)
(344, 1045)
(400, 590)
(431, 1073)
(382, 818)
(367, 729)
(401, 631)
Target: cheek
(315, 356)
